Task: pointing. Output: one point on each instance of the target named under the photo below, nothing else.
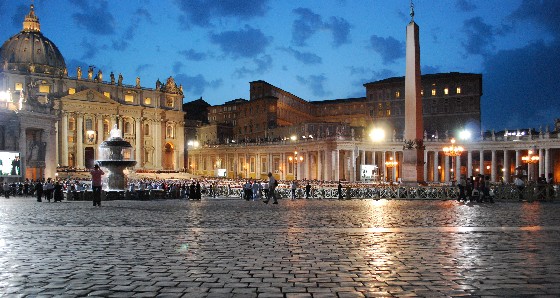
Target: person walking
(271, 188)
(96, 174)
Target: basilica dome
(31, 52)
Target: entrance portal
(168, 157)
(89, 154)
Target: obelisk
(413, 153)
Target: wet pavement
(302, 248)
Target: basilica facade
(55, 120)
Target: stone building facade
(59, 120)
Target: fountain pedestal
(115, 155)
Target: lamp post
(391, 164)
(530, 159)
(295, 159)
(453, 151)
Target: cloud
(428, 69)
(480, 37)
(95, 19)
(388, 48)
(20, 13)
(262, 65)
(177, 67)
(123, 42)
(340, 29)
(193, 55)
(201, 12)
(90, 49)
(316, 83)
(517, 85)
(308, 23)
(544, 12)
(245, 43)
(197, 84)
(142, 67)
(465, 5)
(307, 58)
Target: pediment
(89, 95)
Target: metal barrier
(531, 192)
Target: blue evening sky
(315, 49)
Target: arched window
(127, 127)
(106, 127)
(71, 123)
(146, 129)
(89, 124)
(170, 132)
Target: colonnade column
(23, 151)
(517, 159)
(100, 133)
(394, 169)
(383, 160)
(436, 166)
(328, 165)
(481, 164)
(80, 141)
(541, 162)
(336, 164)
(447, 172)
(320, 165)
(138, 145)
(506, 166)
(547, 162)
(64, 140)
(425, 165)
(50, 151)
(362, 162)
(494, 169)
(469, 164)
(457, 168)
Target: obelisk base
(413, 167)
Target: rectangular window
(446, 91)
(107, 94)
(397, 94)
(433, 92)
(71, 90)
(44, 88)
(128, 98)
(19, 87)
(147, 101)
(458, 90)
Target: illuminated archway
(169, 157)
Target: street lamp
(453, 151)
(530, 159)
(295, 160)
(391, 164)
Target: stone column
(383, 160)
(481, 167)
(158, 140)
(447, 171)
(138, 142)
(506, 167)
(64, 140)
(436, 166)
(336, 164)
(394, 169)
(50, 151)
(425, 164)
(547, 162)
(80, 141)
(320, 165)
(100, 133)
(469, 164)
(22, 144)
(180, 145)
(494, 172)
(517, 159)
(541, 162)
(457, 168)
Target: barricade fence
(533, 192)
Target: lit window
(44, 88)
(169, 102)
(397, 94)
(422, 92)
(147, 101)
(71, 90)
(433, 91)
(19, 87)
(128, 98)
(458, 90)
(107, 94)
(106, 127)
(446, 91)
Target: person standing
(48, 189)
(96, 174)
(39, 190)
(308, 191)
(294, 189)
(339, 190)
(271, 188)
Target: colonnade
(334, 161)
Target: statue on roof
(79, 73)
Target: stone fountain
(115, 155)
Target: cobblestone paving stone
(235, 248)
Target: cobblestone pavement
(235, 248)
